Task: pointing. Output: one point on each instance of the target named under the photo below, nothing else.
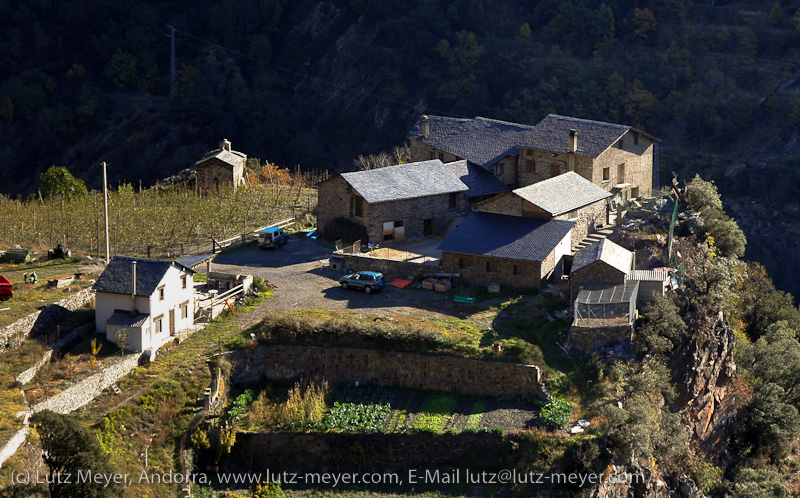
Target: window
(554, 169)
(461, 263)
(157, 323)
(358, 206)
(498, 170)
(185, 310)
(161, 293)
(441, 156)
(531, 166)
(517, 272)
(454, 200)
(431, 154)
(491, 267)
(606, 174)
(183, 282)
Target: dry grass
(304, 404)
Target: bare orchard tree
(401, 154)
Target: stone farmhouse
(508, 250)
(396, 203)
(617, 158)
(565, 197)
(220, 167)
(153, 300)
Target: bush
(555, 412)
(345, 229)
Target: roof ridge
(584, 120)
(503, 122)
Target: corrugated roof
(405, 181)
(191, 262)
(507, 237)
(562, 193)
(231, 157)
(485, 141)
(116, 278)
(608, 293)
(481, 141)
(649, 275)
(606, 251)
(478, 180)
(127, 319)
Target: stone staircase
(590, 239)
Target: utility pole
(105, 208)
(173, 73)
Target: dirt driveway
(304, 282)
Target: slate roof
(604, 250)
(124, 318)
(405, 181)
(507, 237)
(232, 157)
(116, 278)
(485, 141)
(478, 180)
(562, 193)
(482, 141)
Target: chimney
(573, 141)
(133, 286)
(425, 128)
(225, 144)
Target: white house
(151, 299)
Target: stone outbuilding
(507, 250)
(564, 197)
(617, 158)
(221, 167)
(603, 262)
(603, 314)
(396, 203)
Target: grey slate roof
(405, 181)
(478, 180)
(481, 141)
(126, 319)
(232, 157)
(485, 141)
(507, 237)
(562, 193)
(604, 250)
(116, 278)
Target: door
(172, 322)
(620, 173)
(427, 227)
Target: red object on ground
(400, 283)
(5, 289)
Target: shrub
(555, 412)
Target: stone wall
(473, 269)
(333, 202)
(67, 340)
(509, 203)
(391, 269)
(598, 272)
(638, 160)
(586, 219)
(15, 442)
(585, 339)
(13, 335)
(215, 173)
(86, 390)
(281, 451)
(438, 373)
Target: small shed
(651, 283)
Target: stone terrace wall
(390, 268)
(439, 373)
(85, 391)
(585, 339)
(13, 335)
(279, 451)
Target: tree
(758, 483)
(728, 237)
(121, 335)
(59, 182)
(703, 196)
(762, 304)
(771, 423)
(399, 155)
(645, 22)
(775, 14)
(68, 447)
(661, 327)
